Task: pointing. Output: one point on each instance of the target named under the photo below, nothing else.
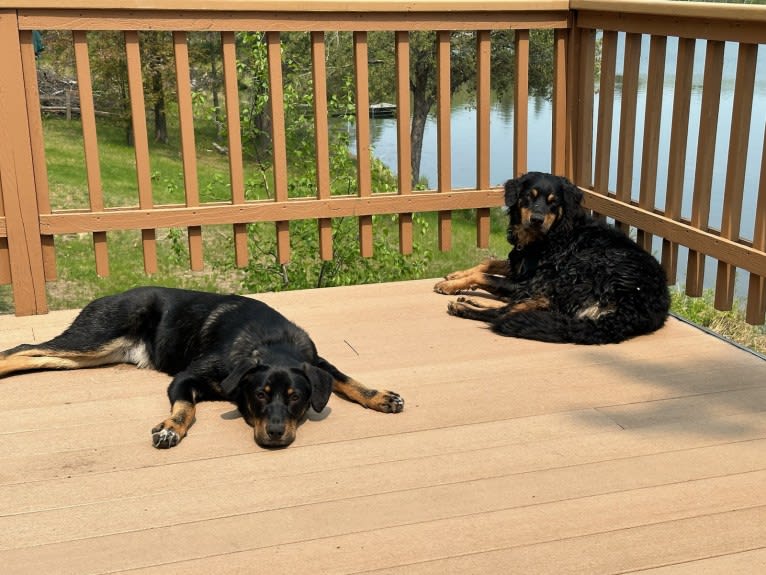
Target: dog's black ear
(321, 386)
(232, 380)
(512, 188)
(573, 194)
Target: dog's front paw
(164, 436)
(449, 287)
(388, 402)
(456, 308)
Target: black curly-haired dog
(217, 348)
(568, 278)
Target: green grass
(68, 179)
(729, 324)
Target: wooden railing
(652, 199)
(586, 37)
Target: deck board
(510, 456)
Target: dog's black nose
(275, 430)
(537, 219)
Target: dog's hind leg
(347, 387)
(54, 355)
(471, 309)
(181, 394)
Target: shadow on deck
(510, 457)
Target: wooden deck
(510, 457)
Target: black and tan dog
(568, 278)
(216, 347)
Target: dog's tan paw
(387, 402)
(167, 435)
(448, 287)
(456, 308)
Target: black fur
(216, 347)
(569, 277)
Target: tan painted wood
(141, 145)
(652, 456)
(670, 8)
(558, 128)
(651, 135)
(756, 293)
(443, 134)
(24, 254)
(605, 112)
(216, 213)
(363, 150)
(403, 146)
(315, 5)
(483, 104)
(90, 143)
(736, 166)
(703, 175)
(321, 135)
(679, 134)
(21, 250)
(234, 135)
(521, 102)
(581, 70)
(311, 21)
(626, 140)
(278, 139)
(427, 525)
(737, 254)
(727, 26)
(188, 144)
(449, 490)
(635, 550)
(32, 94)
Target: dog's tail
(554, 327)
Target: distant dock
(382, 110)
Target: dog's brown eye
(260, 396)
(294, 397)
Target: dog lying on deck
(216, 347)
(568, 278)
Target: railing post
(17, 181)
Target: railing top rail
(296, 5)
(647, 7)
(705, 10)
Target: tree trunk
(160, 119)
(214, 82)
(421, 106)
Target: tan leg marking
(379, 400)
(116, 351)
(530, 304)
(486, 303)
(171, 431)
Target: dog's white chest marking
(594, 312)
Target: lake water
(463, 134)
